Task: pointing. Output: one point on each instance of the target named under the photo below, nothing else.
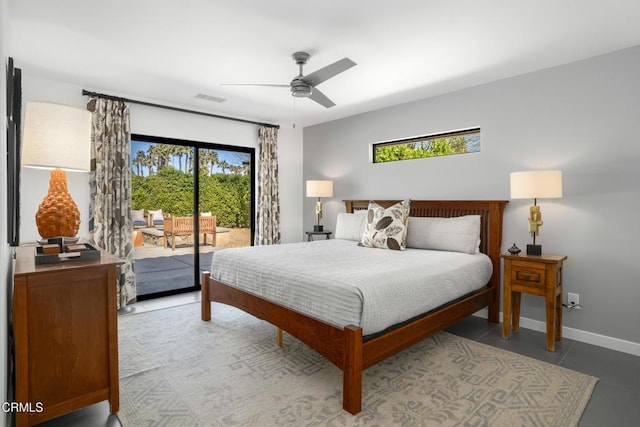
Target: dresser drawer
(527, 274)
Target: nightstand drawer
(528, 274)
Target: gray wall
(582, 118)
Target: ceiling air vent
(210, 98)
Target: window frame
(197, 146)
(421, 138)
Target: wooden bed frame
(345, 347)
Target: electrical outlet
(573, 299)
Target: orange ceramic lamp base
(58, 214)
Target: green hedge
(227, 196)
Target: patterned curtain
(110, 180)
(268, 212)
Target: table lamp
(536, 185)
(319, 189)
(57, 137)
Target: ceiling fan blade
(329, 71)
(321, 98)
(252, 84)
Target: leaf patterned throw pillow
(386, 228)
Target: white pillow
(156, 217)
(457, 234)
(137, 215)
(386, 228)
(350, 226)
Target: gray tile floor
(615, 401)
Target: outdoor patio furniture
(137, 238)
(183, 226)
(153, 236)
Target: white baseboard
(611, 343)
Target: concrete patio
(159, 269)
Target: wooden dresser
(65, 333)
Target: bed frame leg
(352, 370)
(279, 337)
(204, 297)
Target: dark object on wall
(14, 109)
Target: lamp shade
(546, 184)
(56, 136)
(319, 188)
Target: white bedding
(341, 283)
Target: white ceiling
(168, 51)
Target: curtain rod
(168, 107)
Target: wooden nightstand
(66, 335)
(310, 234)
(535, 275)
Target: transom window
(434, 145)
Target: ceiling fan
(305, 86)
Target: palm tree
(203, 157)
(173, 153)
(224, 165)
(183, 151)
(138, 161)
(177, 151)
(152, 157)
(213, 160)
(189, 161)
(164, 155)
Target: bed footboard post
(496, 212)
(204, 297)
(352, 370)
(494, 308)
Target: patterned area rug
(176, 370)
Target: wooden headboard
(490, 212)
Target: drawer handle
(528, 276)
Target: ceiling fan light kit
(300, 89)
(305, 86)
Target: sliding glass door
(183, 213)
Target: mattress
(341, 283)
